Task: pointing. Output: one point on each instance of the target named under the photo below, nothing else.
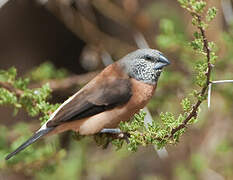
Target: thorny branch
(54, 85)
(193, 113)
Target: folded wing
(90, 101)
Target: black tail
(31, 140)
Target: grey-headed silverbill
(114, 95)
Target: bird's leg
(117, 133)
(111, 131)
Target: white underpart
(55, 112)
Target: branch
(11, 88)
(68, 82)
(57, 84)
(206, 49)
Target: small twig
(11, 88)
(16, 91)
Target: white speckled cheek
(143, 70)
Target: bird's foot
(105, 136)
(117, 133)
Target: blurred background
(67, 42)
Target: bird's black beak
(162, 62)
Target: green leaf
(47, 71)
(9, 75)
(186, 104)
(198, 6)
(211, 14)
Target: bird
(114, 95)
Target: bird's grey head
(144, 65)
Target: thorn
(222, 81)
(209, 94)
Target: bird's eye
(149, 58)
(160, 53)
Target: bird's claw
(116, 134)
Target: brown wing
(106, 95)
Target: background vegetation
(58, 46)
